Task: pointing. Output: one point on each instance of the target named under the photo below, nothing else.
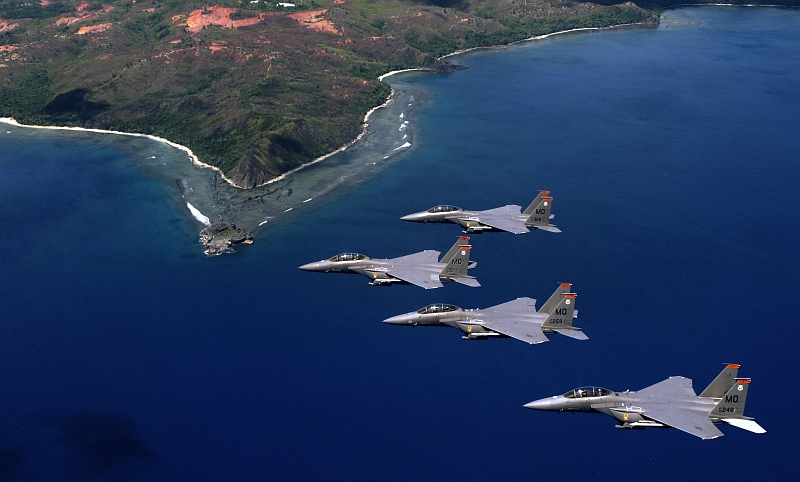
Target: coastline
(364, 125)
(542, 37)
(195, 161)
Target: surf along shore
(388, 133)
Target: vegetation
(255, 89)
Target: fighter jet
(516, 319)
(506, 218)
(671, 403)
(422, 269)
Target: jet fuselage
(625, 407)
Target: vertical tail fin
(723, 383)
(529, 210)
(459, 264)
(555, 298)
(539, 213)
(732, 404)
(448, 256)
(562, 314)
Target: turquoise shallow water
(672, 157)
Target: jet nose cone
(413, 217)
(543, 404)
(399, 320)
(312, 266)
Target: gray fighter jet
(422, 269)
(671, 403)
(516, 319)
(506, 218)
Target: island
(221, 237)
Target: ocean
(672, 157)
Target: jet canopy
(437, 308)
(585, 392)
(348, 257)
(443, 209)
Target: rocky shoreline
(221, 237)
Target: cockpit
(586, 392)
(348, 257)
(437, 308)
(443, 209)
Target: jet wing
(521, 330)
(428, 256)
(672, 387)
(695, 423)
(422, 278)
(503, 218)
(520, 305)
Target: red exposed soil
(248, 21)
(313, 19)
(219, 16)
(94, 28)
(83, 18)
(7, 27)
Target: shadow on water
(10, 461)
(103, 444)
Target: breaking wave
(198, 215)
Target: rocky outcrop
(221, 237)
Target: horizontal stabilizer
(469, 281)
(548, 227)
(577, 334)
(749, 425)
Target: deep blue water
(672, 155)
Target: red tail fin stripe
(732, 365)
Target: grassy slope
(258, 100)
